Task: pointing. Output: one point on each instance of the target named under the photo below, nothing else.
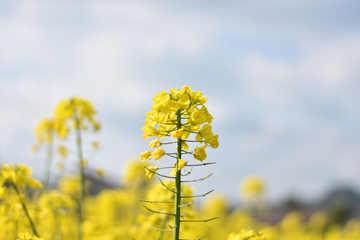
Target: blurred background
(281, 78)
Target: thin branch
(149, 201)
(165, 167)
(200, 179)
(183, 151)
(161, 230)
(161, 175)
(168, 154)
(187, 172)
(167, 131)
(201, 164)
(194, 141)
(168, 143)
(202, 195)
(193, 239)
(186, 205)
(190, 131)
(171, 190)
(158, 212)
(206, 220)
(165, 135)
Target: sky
(281, 78)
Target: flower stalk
(82, 177)
(177, 183)
(48, 162)
(76, 114)
(165, 120)
(33, 228)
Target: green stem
(58, 223)
(81, 169)
(26, 211)
(47, 168)
(177, 183)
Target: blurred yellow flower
(60, 166)
(100, 172)
(24, 235)
(18, 174)
(84, 163)
(78, 112)
(95, 145)
(63, 151)
(246, 234)
(252, 187)
(44, 131)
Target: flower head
(177, 134)
(150, 171)
(158, 153)
(18, 174)
(100, 172)
(181, 165)
(246, 234)
(155, 143)
(145, 155)
(252, 187)
(177, 114)
(212, 141)
(74, 113)
(44, 131)
(199, 153)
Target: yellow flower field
(142, 207)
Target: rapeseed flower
(166, 120)
(145, 155)
(246, 234)
(73, 113)
(158, 153)
(150, 171)
(100, 172)
(19, 175)
(253, 187)
(199, 153)
(155, 143)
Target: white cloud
(333, 62)
(270, 81)
(96, 53)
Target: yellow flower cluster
(55, 200)
(252, 187)
(71, 185)
(17, 174)
(79, 112)
(44, 131)
(162, 121)
(117, 214)
(28, 236)
(163, 114)
(246, 234)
